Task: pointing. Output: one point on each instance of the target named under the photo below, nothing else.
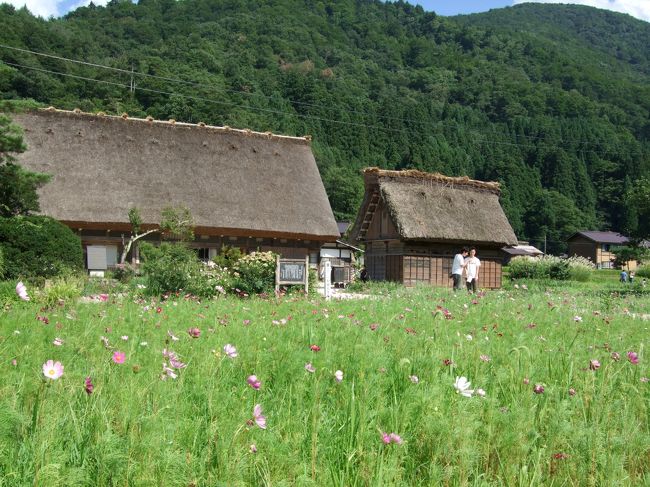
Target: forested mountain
(551, 100)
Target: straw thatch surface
(235, 180)
(436, 208)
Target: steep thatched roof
(437, 208)
(235, 182)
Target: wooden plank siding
(429, 264)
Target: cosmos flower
(254, 382)
(414, 379)
(230, 350)
(88, 386)
(572, 392)
(538, 389)
(577, 319)
(310, 368)
(485, 358)
(258, 417)
(172, 336)
(633, 358)
(481, 392)
(594, 364)
(119, 357)
(462, 387)
(253, 448)
(52, 370)
(395, 438)
(167, 372)
(314, 348)
(57, 342)
(21, 290)
(616, 356)
(194, 332)
(338, 375)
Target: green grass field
(198, 429)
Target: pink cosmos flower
(125, 338)
(414, 379)
(485, 358)
(253, 448)
(246, 323)
(594, 364)
(52, 370)
(119, 357)
(194, 332)
(230, 350)
(167, 372)
(395, 438)
(254, 382)
(526, 380)
(633, 358)
(88, 386)
(57, 342)
(577, 319)
(260, 420)
(314, 348)
(338, 375)
(310, 368)
(103, 297)
(572, 392)
(14, 362)
(538, 389)
(385, 437)
(21, 290)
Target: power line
(131, 87)
(132, 73)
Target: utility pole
(544, 244)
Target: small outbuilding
(520, 250)
(245, 189)
(413, 223)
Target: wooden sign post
(292, 271)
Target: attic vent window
(80, 133)
(204, 143)
(472, 202)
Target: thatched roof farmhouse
(414, 222)
(243, 188)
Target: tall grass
(137, 430)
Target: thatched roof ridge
(234, 182)
(203, 126)
(433, 207)
(415, 175)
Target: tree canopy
(552, 101)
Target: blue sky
(445, 7)
(637, 8)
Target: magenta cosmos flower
(538, 389)
(254, 382)
(88, 386)
(52, 370)
(21, 290)
(633, 358)
(258, 417)
(594, 364)
(119, 357)
(387, 439)
(194, 332)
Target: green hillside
(553, 101)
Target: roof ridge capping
(416, 175)
(173, 123)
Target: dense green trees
(552, 101)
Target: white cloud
(636, 8)
(51, 8)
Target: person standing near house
(457, 268)
(623, 276)
(472, 266)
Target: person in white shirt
(457, 268)
(472, 266)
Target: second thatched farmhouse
(244, 189)
(413, 223)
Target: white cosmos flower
(462, 387)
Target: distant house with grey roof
(596, 246)
(245, 189)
